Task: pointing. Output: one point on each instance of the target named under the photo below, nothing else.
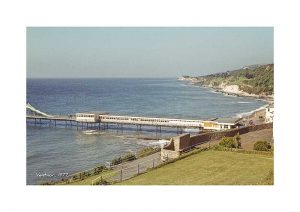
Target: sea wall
(202, 138)
(168, 154)
(183, 142)
(176, 145)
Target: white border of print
(17, 15)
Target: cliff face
(253, 81)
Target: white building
(89, 116)
(222, 124)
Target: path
(140, 165)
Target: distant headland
(255, 81)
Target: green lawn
(211, 168)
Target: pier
(101, 120)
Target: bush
(129, 157)
(148, 151)
(238, 140)
(116, 161)
(262, 146)
(228, 142)
(99, 169)
(217, 147)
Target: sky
(144, 52)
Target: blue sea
(56, 151)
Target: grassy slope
(211, 168)
(260, 80)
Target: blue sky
(144, 52)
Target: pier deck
(160, 122)
(95, 119)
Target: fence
(123, 172)
(127, 170)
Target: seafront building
(222, 124)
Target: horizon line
(101, 77)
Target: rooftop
(228, 120)
(94, 112)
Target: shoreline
(245, 115)
(237, 93)
(230, 90)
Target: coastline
(232, 90)
(250, 114)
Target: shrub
(148, 151)
(228, 142)
(99, 169)
(217, 147)
(116, 161)
(238, 140)
(262, 146)
(129, 157)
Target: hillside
(252, 80)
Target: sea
(53, 152)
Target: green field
(211, 168)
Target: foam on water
(161, 143)
(241, 115)
(244, 102)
